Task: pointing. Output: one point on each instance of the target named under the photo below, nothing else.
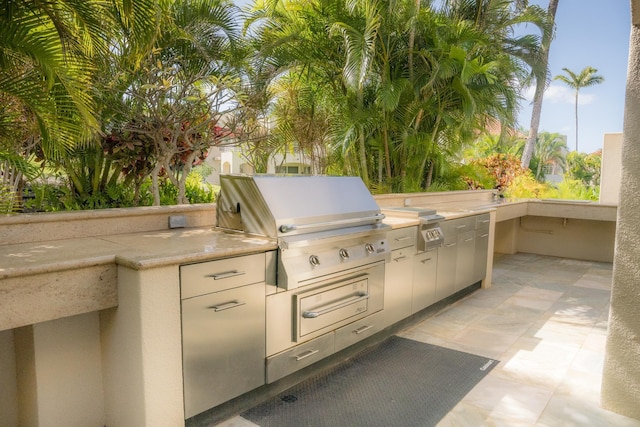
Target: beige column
(621, 375)
(142, 350)
(8, 381)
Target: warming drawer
(322, 308)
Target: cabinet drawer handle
(459, 227)
(484, 235)
(400, 258)
(306, 354)
(226, 274)
(362, 329)
(227, 305)
(361, 296)
(484, 221)
(450, 244)
(426, 260)
(470, 239)
(402, 239)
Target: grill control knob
(369, 248)
(344, 254)
(314, 260)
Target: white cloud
(560, 95)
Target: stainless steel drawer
(399, 255)
(483, 221)
(451, 228)
(298, 357)
(359, 330)
(320, 308)
(402, 237)
(218, 275)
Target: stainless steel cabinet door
(481, 254)
(398, 281)
(446, 273)
(465, 263)
(223, 346)
(424, 279)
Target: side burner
(430, 233)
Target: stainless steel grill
(323, 224)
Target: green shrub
(526, 187)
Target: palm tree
(587, 77)
(414, 81)
(550, 149)
(48, 52)
(542, 81)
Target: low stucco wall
(39, 227)
(589, 240)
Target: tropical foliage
(404, 84)
(115, 102)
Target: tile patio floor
(545, 319)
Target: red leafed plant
(503, 167)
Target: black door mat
(401, 382)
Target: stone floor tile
(536, 298)
(544, 365)
(510, 318)
(507, 399)
(568, 411)
(588, 361)
(582, 385)
(555, 330)
(237, 422)
(460, 314)
(483, 342)
(595, 341)
(439, 328)
(467, 415)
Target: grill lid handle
(286, 228)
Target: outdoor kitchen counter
(448, 212)
(399, 222)
(134, 250)
(514, 208)
(47, 280)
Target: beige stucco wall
(59, 373)
(621, 374)
(585, 239)
(8, 385)
(611, 168)
(567, 237)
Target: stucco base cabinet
(141, 344)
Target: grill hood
(278, 206)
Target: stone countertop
(511, 208)
(397, 219)
(133, 250)
(399, 222)
(48, 280)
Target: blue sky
(589, 33)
